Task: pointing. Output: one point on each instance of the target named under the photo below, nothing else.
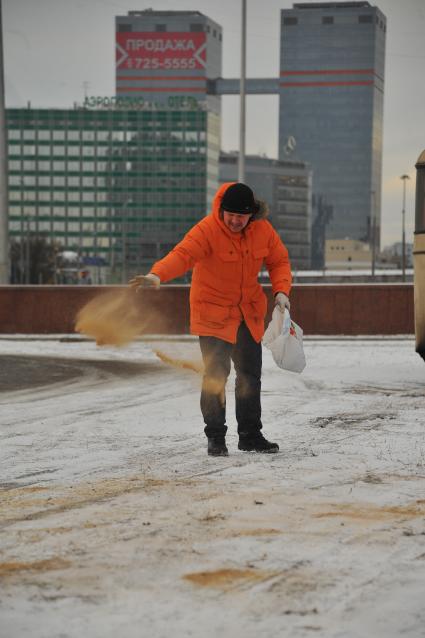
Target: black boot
(255, 442)
(217, 446)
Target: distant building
(286, 187)
(119, 187)
(347, 254)
(163, 54)
(394, 254)
(331, 112)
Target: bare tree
(33, 260)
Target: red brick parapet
(320, 309)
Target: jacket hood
(263, 209)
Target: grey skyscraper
(331, 103)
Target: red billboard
(161, 51)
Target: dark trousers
(246, 355)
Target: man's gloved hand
(282, 302)
(145, 281)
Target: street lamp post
(242, 94)
(123, 249)
(124, 235)
(403, 219)
(4, 198)
(373, 231)
(27, 252)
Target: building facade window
(161, 180)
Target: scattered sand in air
(112, 318)
(180, 363)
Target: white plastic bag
(284, 338)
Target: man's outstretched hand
(145, 281)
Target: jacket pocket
(228, 255)
(257, 308)
(260, 253)
(213, 314)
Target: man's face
(235, 222)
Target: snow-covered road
(114, 520)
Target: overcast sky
(53, 47)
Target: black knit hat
(239, 198)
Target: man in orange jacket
(226, 251)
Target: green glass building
(119, 186)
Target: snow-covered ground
(115, 522)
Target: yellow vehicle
(419, 256)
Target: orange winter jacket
(224, 289)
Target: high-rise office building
(167, 58)
(286, 187)
(331, 110)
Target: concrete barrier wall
(320, 309)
